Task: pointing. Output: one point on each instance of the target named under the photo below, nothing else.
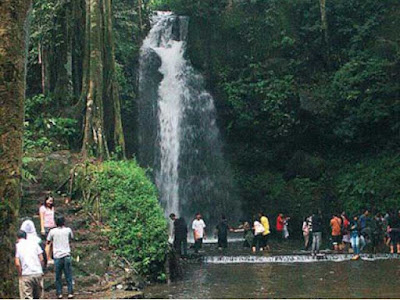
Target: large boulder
(55, 169)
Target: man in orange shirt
(336, 224)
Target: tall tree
(93, 134)
(324, 24)
(13, 15)
(111, 93)
(99, 87)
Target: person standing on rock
(198, 226)
(60, 237)
(29, 262)
(180, 234)
(46, 213)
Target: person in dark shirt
(394, 231)
(222, 233)
(354, 228)
(365, 229)
(316, 221)
(377, 231)
(180, 234)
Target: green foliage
(281, 90)
(43, 130)
(371, 183)
(368, 101)
(129, 30)
(129, 206)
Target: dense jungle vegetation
(308, 98)
(307, 94)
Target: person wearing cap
(29, 227)
(31, 235)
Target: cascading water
(178, 134)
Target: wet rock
(92, 260)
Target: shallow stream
(285, 275)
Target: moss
(55, 170)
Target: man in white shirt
(60, 238)
(29, 263)
(198, 226)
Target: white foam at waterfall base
(293, 258)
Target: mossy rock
(55, 170)
(94, 262)
(33, 164)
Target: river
(285, 276)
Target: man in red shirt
(279, 225)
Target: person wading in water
(222, 233)
(198, 226)
(180, 234)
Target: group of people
(256, 235)
(34, 253)
(181, 232)
(358, 232)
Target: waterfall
(178, 135)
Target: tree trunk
(324, 24)
(229, 5)
(99, 87)
(93, 135)
(77, 46)
(13, 14)
(60, 88)
(140, 16)
(111, 94)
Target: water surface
(320, 279)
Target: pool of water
(347, 279)
(271, 278)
